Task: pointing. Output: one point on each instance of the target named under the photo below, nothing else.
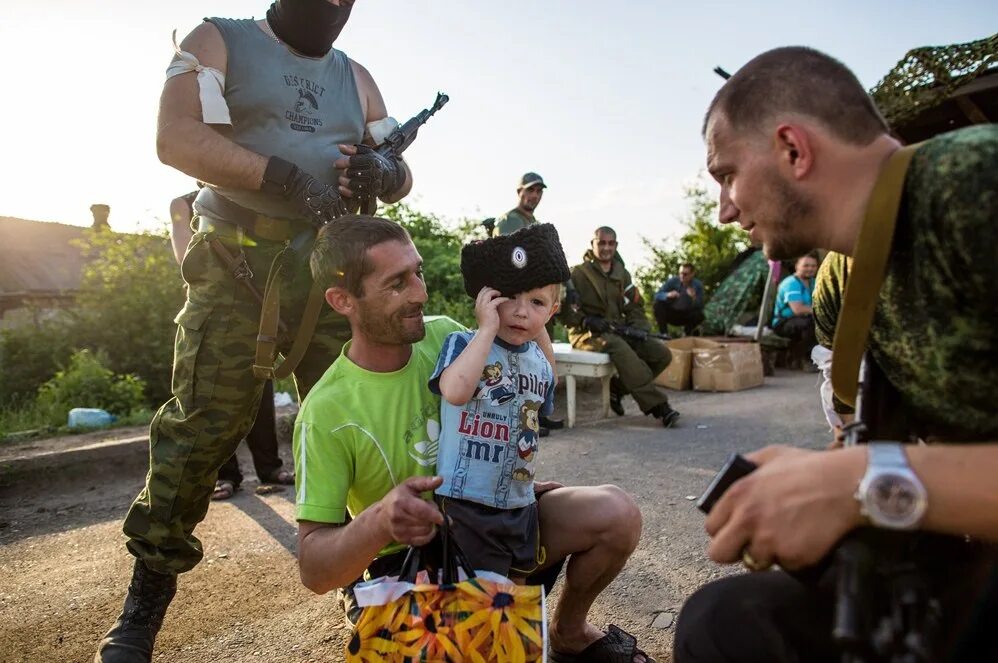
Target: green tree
(708, 245)
(29, 354)
(440, 247)
(130, 292)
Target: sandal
(224, 489)
(617, 646)
(280, 477)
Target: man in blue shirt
(792, 314)
(680, 301)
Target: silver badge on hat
(519, 257)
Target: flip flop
(224, 489)
(617, 646)
(281, 478)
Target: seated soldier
(610, 317)
(680, 301)
(793, 316)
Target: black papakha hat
(529, 258)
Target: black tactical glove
(596, 324)
(373, 175)
(315, 200)
(573, 300)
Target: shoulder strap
(869, 265)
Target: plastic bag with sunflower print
(467, 616)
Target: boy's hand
(487, 310)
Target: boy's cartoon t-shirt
(488, 446)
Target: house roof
(38, 258)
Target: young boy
(496, 383)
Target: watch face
(895, 499)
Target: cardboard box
(726, 365)
(678, 374)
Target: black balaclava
(308, 26)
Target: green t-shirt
(934, 332)
(359, 433)
(511, 221)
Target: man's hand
(596, 324)
(672, 294)
(791, 510)
(367, 173)
(406, 516)
(316, 201)
(487, 311)
(541, 487)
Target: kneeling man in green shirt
(365, 446)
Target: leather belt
(259, 227)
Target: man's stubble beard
(390, 330)
(794, 211)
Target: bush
(707, 245)
(86, 382)
(130, 291)
(29, 355)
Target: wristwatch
(890, 494)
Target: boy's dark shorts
(505, 541)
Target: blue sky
(605, 100)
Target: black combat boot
(131, 638)
(616, 391)
(664, 412)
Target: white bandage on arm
(211, 85)
(379, 130)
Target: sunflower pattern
(475, 621)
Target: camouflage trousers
(638, 363)
(215, 394)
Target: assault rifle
(638, 334)
(398, 141)
(886, 603)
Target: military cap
(530, 179)
(529, 258)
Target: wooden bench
(572, 363)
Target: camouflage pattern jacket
(934, 333)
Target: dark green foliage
(29, 354)
(130, 293)
(708, 245)
(440, 247)
(87, 382)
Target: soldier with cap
(530, 190)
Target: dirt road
(64, 570)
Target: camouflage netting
(927, 76)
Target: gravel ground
(64, 570)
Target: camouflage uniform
(933, 331)
(511, 221)
(614, 297)
(215, 394)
